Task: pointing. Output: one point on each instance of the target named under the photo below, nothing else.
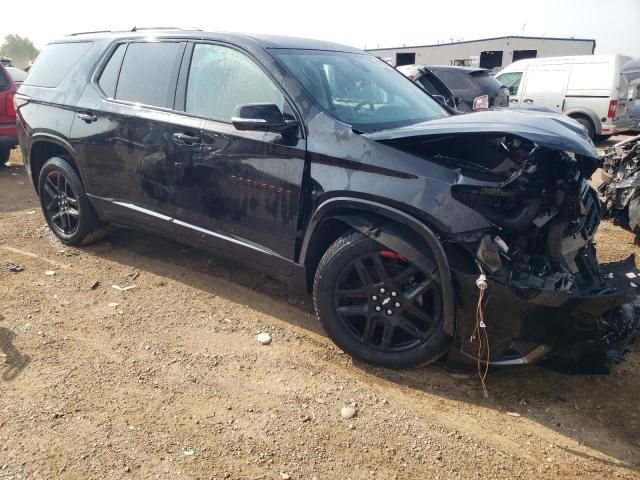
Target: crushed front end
(620, 187)
(545, 295)
(528, 286)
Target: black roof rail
(134, 29)
(137, 29)
(85, 33)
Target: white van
(588, 88)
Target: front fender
(394, 229)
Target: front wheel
(66, 206)
(379, 307)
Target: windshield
(360, 89)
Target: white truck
(589, 88)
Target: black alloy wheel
(61, 203)
(386, 302)
(66, 205)
(383, 309)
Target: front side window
(145, 75)
(359, 89)
(511, 80)
(220, 78)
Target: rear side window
(220, 78)
(455, 80)
(55, 62)
(109, 77)
(145, 75)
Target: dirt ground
(166, 380)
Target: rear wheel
(65, 204)
(587, 124)
(379, 307)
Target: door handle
(528, 100)
(87, 117)
(514, 100)
(185, 139)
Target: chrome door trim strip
(211, 233)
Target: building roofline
(484, 40)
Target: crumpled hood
(542, 127)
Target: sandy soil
(167, 380)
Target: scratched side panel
(245, 184)
(344, 163)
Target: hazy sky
(613, 23)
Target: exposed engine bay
(546, 295)
(620, 189)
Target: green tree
(20, 49)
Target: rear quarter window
(55, 62)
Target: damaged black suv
(421, 233)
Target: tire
(4, 156)
(65, 204)
(603, 137)
(587, 124)
(633, 216)
(377, 306)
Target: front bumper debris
(581, 333)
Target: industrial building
(492, 53)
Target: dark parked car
(420, 233)
(431, 84)
(8, 133)
(472, 88)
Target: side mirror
(262, 117)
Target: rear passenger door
(125, 131)
(243, 187)
(545, 86)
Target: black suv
(420, 233)
(475, 88)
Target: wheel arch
(588, 113)
(389, 226)
(45, 146)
